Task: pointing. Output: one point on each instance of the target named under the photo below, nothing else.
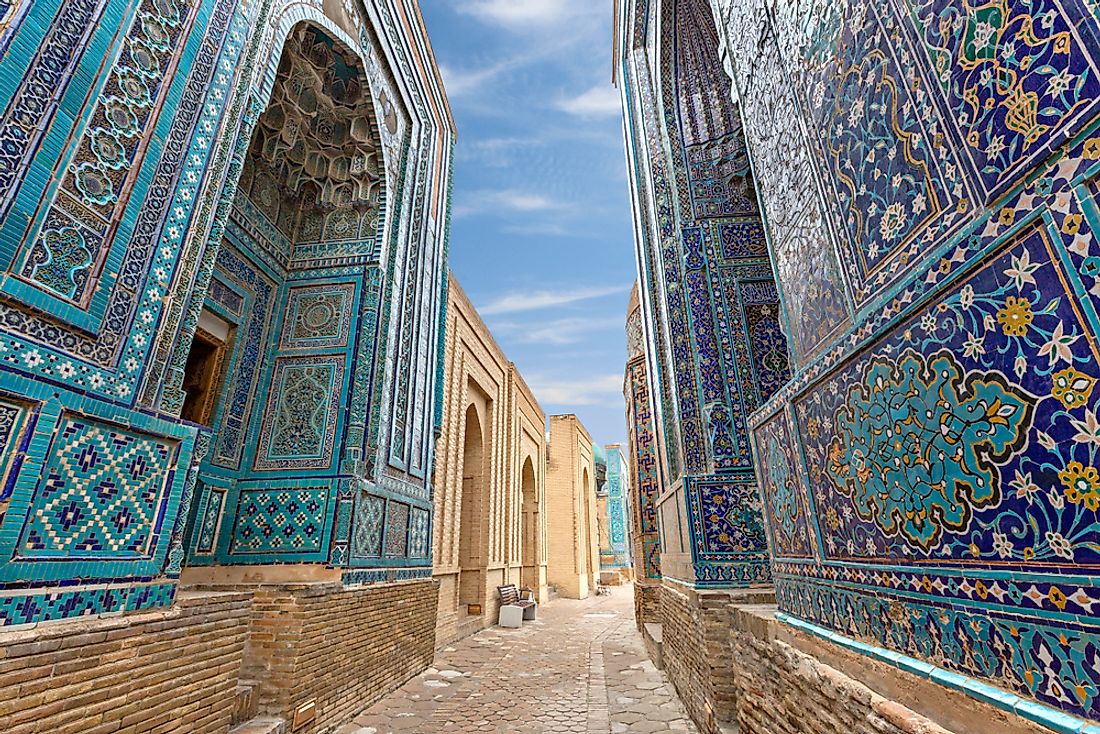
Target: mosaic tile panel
(16, 425)
(644, 477)
(67, 253)
(302, 412)
(47, 77)
(279, 520)
(210, 520)
(878, 139)
(419, 529)
(954, 438)
(1043, 59)
(806, 264)
(103, 493)
(370, 514)
(318, 316)
(728, 540)
(29, 609)
(1051, 662)
(397, 529)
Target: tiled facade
(160, 219)
(644, 479)
(710, 309)
(614, 517)
(490, 493)
(224, 227)
(924, 471)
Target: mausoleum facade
(225, 237)
(866, 238)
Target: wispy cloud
(507, 200)
(534, 300)
(525, 14)
(595, 390)
(601, 100)
(559, 331)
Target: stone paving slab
(580, 668)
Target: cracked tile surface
(579, 668)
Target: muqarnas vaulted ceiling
(314, 168)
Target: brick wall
(697, 655)
(738, 669)
(647, 603)
(342, 648)
(170, 671)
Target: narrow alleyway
(581, 667)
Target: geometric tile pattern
(102, 494)
(644, 477)
(370, 513)
(318, 316)
(27, 609)
(418, 533)
(397, 529)
(287, 520)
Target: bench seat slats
(509, 595)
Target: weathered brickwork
(647, 603)
(341, 648)
(790, 683)
(697, 655)
(152, 673)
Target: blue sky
(541, 233)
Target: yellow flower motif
(1008, 216)
(1072, 388)
(1057, 597)
(832, 519)
(1082, 484)
(1092, 149)
(1016, 316)
(1072, 224)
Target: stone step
(654, 639)
(468, 626)
(261, 725)
(245, 704)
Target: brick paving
(581, 667)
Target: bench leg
(531, 612)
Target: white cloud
(525, 14)
(601, 100)
(500, 152)
(535, 300)
(595, 390)
(559, 331)
(508, 199)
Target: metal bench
(516, 605)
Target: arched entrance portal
(279, 332)
(531, 548)
(472, 526)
